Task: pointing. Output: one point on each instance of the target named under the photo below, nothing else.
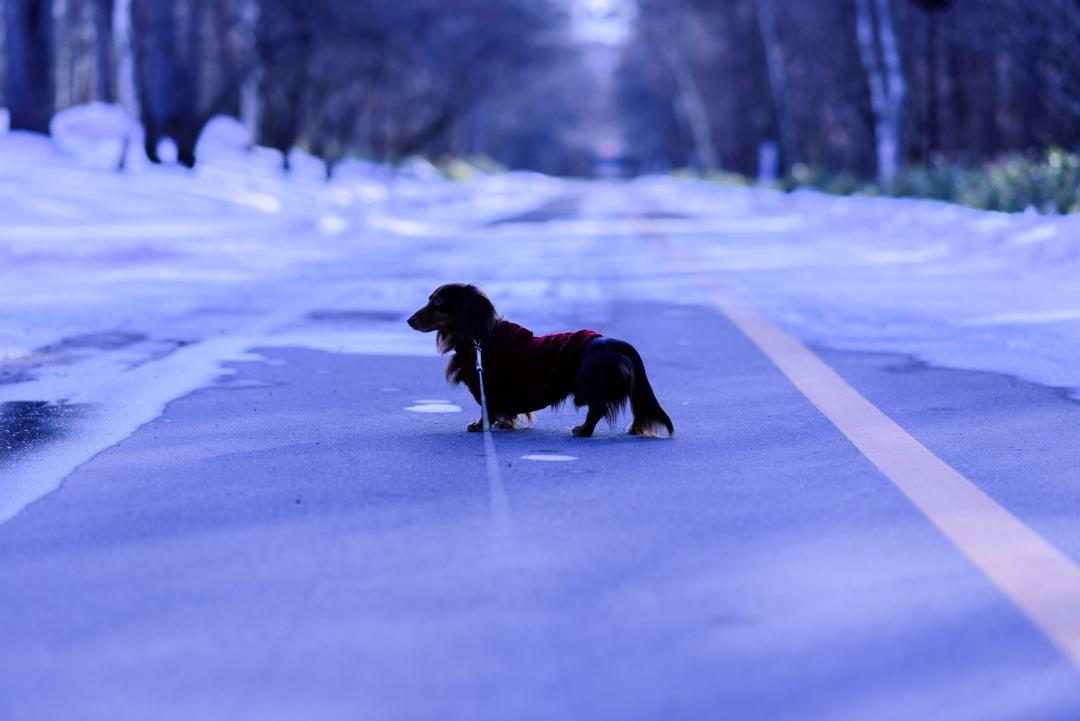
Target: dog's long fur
(607, 373)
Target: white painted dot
(548, 457)
(433, 400)
(435, 408)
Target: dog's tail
(649, 417)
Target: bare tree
(104, 49)
(664, 33)
(879, 50)
(176, 97)
(434, 66)
(249, 89)
(124, 53)
(1046, 35)
(778, 80)
(29, 81)
(391, 79)
(932, 53)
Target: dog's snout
(417, 320)
(426, 319)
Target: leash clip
(479, 364)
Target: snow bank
(224, 135)
(96, 135)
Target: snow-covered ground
(83, 246)
(122, 291)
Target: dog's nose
(412, 321)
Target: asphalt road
(293, 542)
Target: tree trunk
(66, 57)
(29, 84)
(693, 105)
(879, 52)
(778, 83)
(157, 78)
(104, 66)
(188, 120)
(249, 88)
(932, 141)
(283, 45)
(126, 94)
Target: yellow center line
(1038, 578)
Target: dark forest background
(966, 80)
(854, 88)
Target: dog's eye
(436, 302)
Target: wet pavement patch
(17, 371)
(27, 424)
(559, 208)
(106, 340)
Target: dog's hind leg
(603, 383)
(611, 373)
(586, 429)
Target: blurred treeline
(386, 79)
(860, 87)
(837, 91)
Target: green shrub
(1049, 183)
(465, 169)
(725, 178)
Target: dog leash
(500, 504)
(485, 422)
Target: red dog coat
(524, 372)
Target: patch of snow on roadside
(1038, 234)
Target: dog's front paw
(581, 431)
(475, 426)
(504, 424)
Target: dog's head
(460, 313)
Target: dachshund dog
(524, 373)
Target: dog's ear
(476, 317)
